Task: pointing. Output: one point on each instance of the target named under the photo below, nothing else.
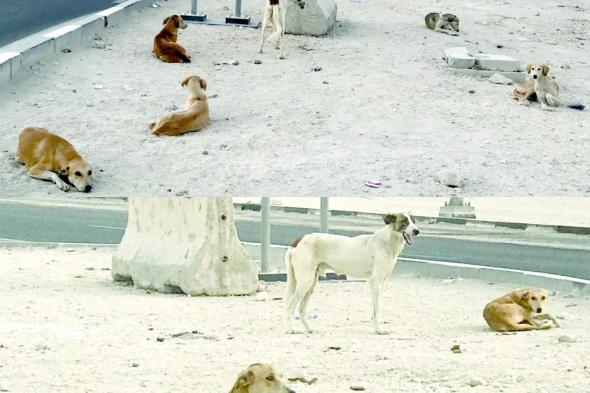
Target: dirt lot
(383, 106)
(66, 327)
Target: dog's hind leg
(283, 29)
(552, 101)
(265, 19)
(304, 284)
(278, 25)
(305, 303)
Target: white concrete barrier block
(491, 62)
(185, 245)
(459, 57)
(67, 37)
(6, 59)
(42, 49)
(317, 18)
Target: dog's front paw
(63, 185)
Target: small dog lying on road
(442, 23)
(165, 46)
(50, 157)
(260, 378)
(519, 311)
(193, 118)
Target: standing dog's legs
(283, 28)
(305, 302)
(376, 290)
(265, 20)
(303, 287)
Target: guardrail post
(324, 215)
(238, 9)
(265, 241)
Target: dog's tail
(291, 280)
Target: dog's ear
(185, 81)
(412, 218)
(545, 69)
(246, 378)
(389, 218)
(525, 296)
(166, 20)
(203, 84)
(529, 67)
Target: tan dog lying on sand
(260, 378)
(50, 157)
(165, 46)
(514, 311)
(193, 118)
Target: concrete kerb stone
(45, 45)
(42, 48)
(6, 61)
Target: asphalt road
(75, 225)
(20, 18)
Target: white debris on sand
(383, 106)
(79, 320)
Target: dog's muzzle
(534, 76)
(409, 238)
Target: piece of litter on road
(97, 86)
(374, 183)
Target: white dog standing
(366, 256)
(274, 16)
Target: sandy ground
(383, 106)
(66, 327)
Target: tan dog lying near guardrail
(165, 46)
(193, 118)
(51, 157)
(260, 378)
(519, 311)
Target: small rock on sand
(566, 339)
(357, 388)
(456, 348)
(449, 179)
(500, 79)
(474, 382)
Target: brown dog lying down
(514, 311)
(165, 46)
(50, 157)
(193, 118)
(260, 378)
